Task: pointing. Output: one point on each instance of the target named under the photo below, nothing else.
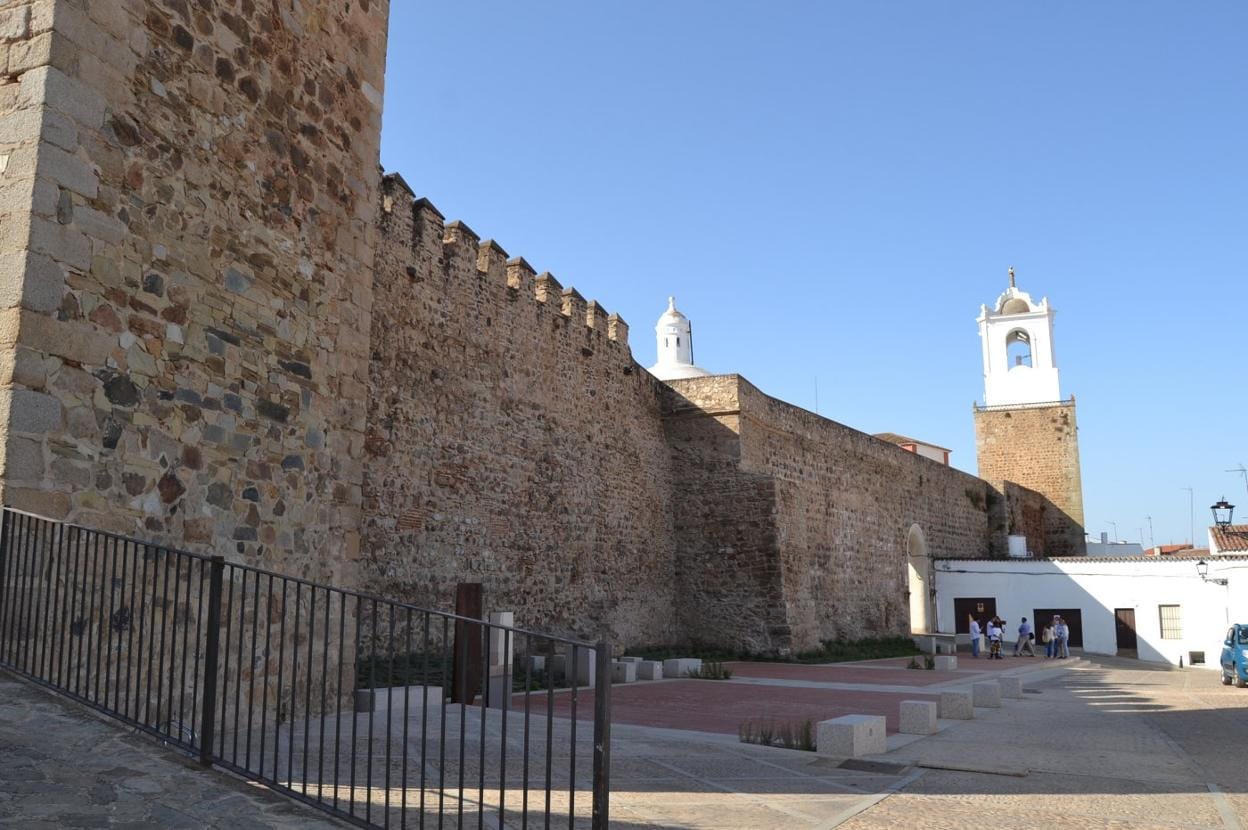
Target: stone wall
(512, 440)
(1032, 455)
(844, 504)
(187, 293)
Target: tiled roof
(894, 438)
(1185, 557)
(1230, 538)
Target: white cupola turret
(674, 337)
(1017, 335)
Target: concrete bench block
(622, 672)
(586, 667)
(918, 717)
(1011, 686)
(557, 665)
(956, 705)
(680, 666)
(630, 659)
(851, 736)
(987, 695)
(946, 662)
(650, 670)
(537, 663)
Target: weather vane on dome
(1012, 277)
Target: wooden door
(1124, 628)
(982, 608)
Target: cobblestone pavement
(1114, 744)
(1096, 744)
(62, 766)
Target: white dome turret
(674, 338)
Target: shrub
(711, 670)
(785, 734)
(913, 664)
(929, 662)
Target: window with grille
(1171, 622)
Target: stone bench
(650, 670)
(851, 736)
(630, 659)
(918, 717)
(946, 662)
(1011, 687)
(623, 672)
(956, 706)
(680, 666)
(987, 695)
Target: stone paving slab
(722, 706)
(65, 767)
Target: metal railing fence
(380, 712)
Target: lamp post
(1222, 512)
(1202, 568)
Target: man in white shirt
(1061, 633)
(975, 635)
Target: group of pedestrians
(1055, 636)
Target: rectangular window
(1171, 622)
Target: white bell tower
(1017, 335)
(674, 339)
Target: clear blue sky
(831, 190)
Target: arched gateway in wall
(919, 568)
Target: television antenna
(1243, 471)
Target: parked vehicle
(1235, 656)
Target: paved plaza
(1094, 743)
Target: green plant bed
(831, 651)
(711, 670)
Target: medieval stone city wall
(729, 575)
(843, 504)
(1032, 455)
(187, 296)
(512, 440)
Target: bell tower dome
(1019, 364)
(674, 341)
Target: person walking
(1023, 642)
(976, 633)
(1062, 634)
(1047, 638)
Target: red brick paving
(721, 706)
(841, 673)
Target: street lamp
(1202, 568)
(1222, 513)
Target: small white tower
(674, 336)
(1017, 335)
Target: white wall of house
(1097, 587)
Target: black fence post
(208, 713)
(4, 572)
(602, 737)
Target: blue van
(1235, 656)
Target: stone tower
(1025, 434)
(674, 346)
(188, 199)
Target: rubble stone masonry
(221, 330)
(189, 196)
(1031, 454)
(512, 440)
(831, 547)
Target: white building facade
(1156, 609)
